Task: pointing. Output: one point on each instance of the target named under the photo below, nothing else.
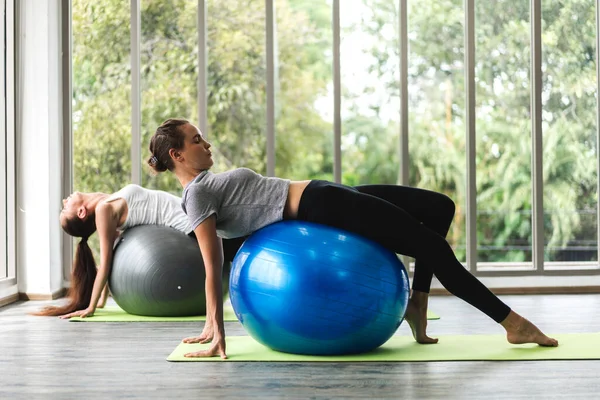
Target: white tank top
(151, 207)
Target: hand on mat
(205, 337)
(217, 349)
(88, 312)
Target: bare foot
(416, 316)
(519, 330)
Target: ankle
(419, 299)
(513, 321)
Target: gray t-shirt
(242, 201)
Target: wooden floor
(48, 358)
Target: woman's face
(196, 150)
(72, 208)
(72, 203)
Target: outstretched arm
(211, 247)
(103, 297)
(106, 225)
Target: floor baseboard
(38, 297)
(9, 299)
(531, 290)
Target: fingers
(80, 313)
(197, 339)
(203, 353)
(213, 351)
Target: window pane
(370, 95)
(236, 84)
(569, 123)
(169, 75)
(502, 76)
(437, 105)
(101, 97)
(304, 91)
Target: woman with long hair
(109, 215)
(406, 220)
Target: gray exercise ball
(158, 271)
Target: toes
(427, 340)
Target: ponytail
(82, 283)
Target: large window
(442, 96)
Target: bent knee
(449, 206)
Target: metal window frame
(337, 94)
(3, 155)
(270, 36)
(598, 122)
(536, 138)
(403, 52)
(11, 25)
(471, 137)
(136, 92)
(11, 13)
(67, 131)
(202, 67)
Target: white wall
(39, 148)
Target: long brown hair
(83, 272)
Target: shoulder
(106, 212)
(197, 194)
(243, 172)
(133, 188)
(130, 187)
(126, 192)
(197, 189)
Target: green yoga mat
(116, 314)
(583, 346)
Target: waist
(294, 197)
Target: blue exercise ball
(305, 288)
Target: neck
(187, 176)
(92, 200)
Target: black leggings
(408, 221)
